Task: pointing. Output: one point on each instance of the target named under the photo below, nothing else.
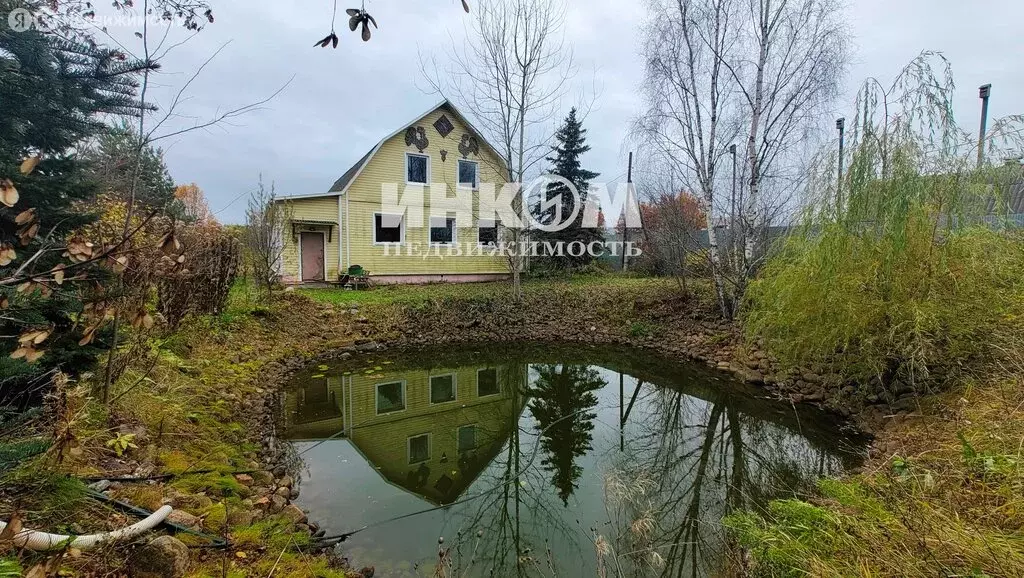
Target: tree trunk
(750, 221)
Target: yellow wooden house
(327, 233)
(429, 432)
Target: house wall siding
(388, 166)
(317, 209)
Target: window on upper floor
(417, 168)
(469, 174)
(419, 448)
(466, 438)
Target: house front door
(312, 247)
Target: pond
(545, 460)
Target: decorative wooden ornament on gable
(444, 155)
(416, 136)
(444, 126)
(468, 145)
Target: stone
(244, 479)
(277, 503)
(283, 491)
(752, 377)
(183, 518)
(811, 377)
(294, 514)
(100, 486)
(286, 481)
(241, 517)
(164, 557)
(263, 478)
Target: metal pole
(625, 228)
(732, 200)
(841, 125)
(983, 92)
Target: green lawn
(411, 294)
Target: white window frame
(408, 448)
(376, 398)
(401, 228)
(423, 155)
(455, 387)
(476, 430)
(473, 186)
(497, 228)
(455, 231)
(496, 381)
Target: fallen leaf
(25, 216)
(28, 165)
(12, 529)
(8, 194)
(7, 255)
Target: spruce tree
(566, 163)
(54, 94)
(563, 397)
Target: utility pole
(625, 227)
(983, 93)
(841, 125)
(732, 199)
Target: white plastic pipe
(41, 541)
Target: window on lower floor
(487, 233)
(442, 388)
(467, 438)
(487, 382)
(419, 448)
(390, 397)
(387, 228)
(442, 230)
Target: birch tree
(690, 119)
(510, 75)
(721, 71)
(801, 51)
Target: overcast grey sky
(341, 102)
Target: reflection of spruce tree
(567, 392)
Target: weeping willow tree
(904, 268)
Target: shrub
(878, 305)
(203, 284)
(900, 271)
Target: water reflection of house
(430, 432)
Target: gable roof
(342, 184)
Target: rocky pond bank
(230, 377)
